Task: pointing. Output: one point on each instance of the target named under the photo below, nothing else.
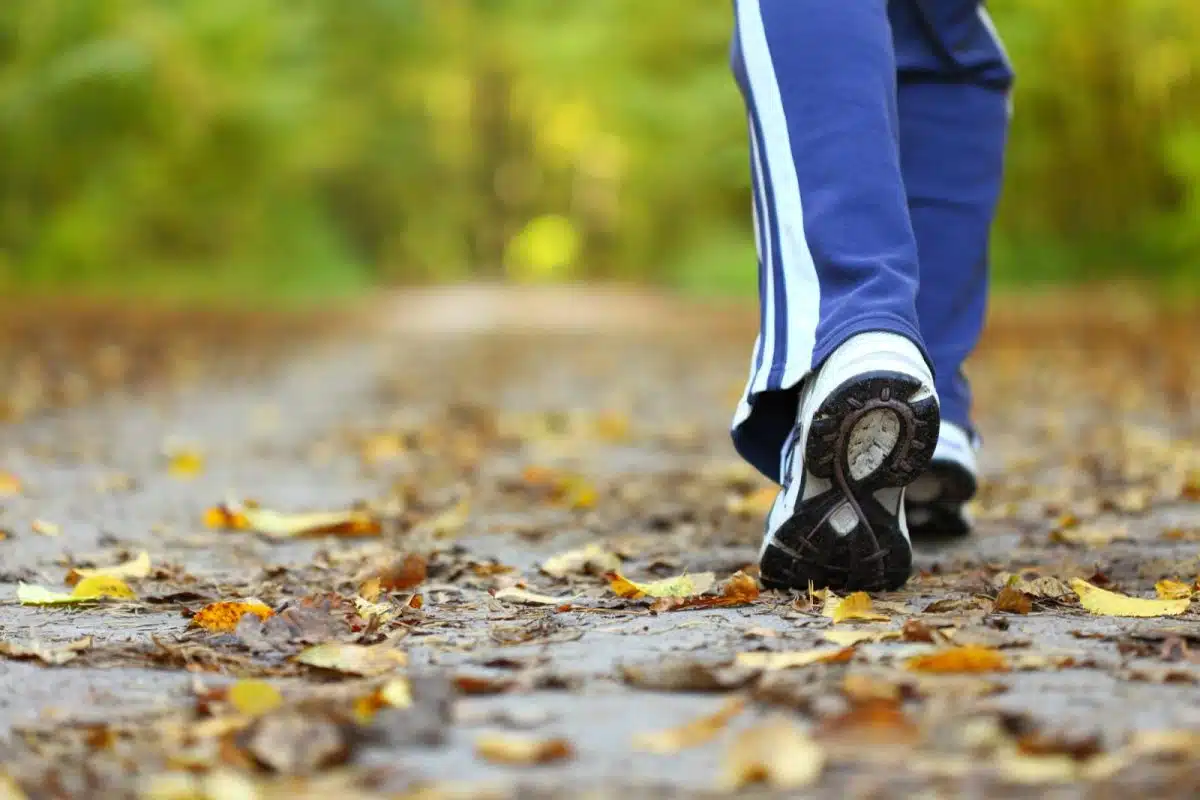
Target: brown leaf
(971, 658)
(297, 744)
(740, 590)
(692, 734)
(776, 753)
(1012, 601)
(872, 721)
(789, 660)
(408, 573)
(522, 751)
(916, 631)
(46, 653)
(687, 676)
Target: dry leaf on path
(872, 721)
(844, 638)
(691, 734)
(687, 676)
(54, 654)
(1110, 604)
(971, 658)
(448, 523)
(799, 658)
(590, 560)
(226, 517)
(315, 523)
(776, 753)
(44, 528)
(9, 484)
(185, 463)
(354, 659)
(680, 586)
(224, 617)
(739, 590)
(1167, 589)
(522, 751)
(138, 567)
(254, 697)
(408, 573)
(99, 587)
(517, 595)
(1012, 601)
(1046, 587)
(856, 606)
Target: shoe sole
(875, 431)
(944, 513)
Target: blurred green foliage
(313, 146)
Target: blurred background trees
(308, 147)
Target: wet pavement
(485, 437)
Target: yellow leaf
(680, 586)
(9, 789)
(516, 595)
(280, 525)
(799, 658)
(185, 464)
(139, 567)
(691, 734)
(9, 485)
(850, 638)
(226, 516)
(1168, 589)
(777, 753)
(449, 522)
(354, 659)
(44, 528)
(254, 697)
(1110, 604)
(592, 559)
(856, 606)
(521, 751)
(396, 693)
(224, 617)
(87, 590)
(971, 658)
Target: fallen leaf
(799, 658)
(185, 463)
(741, 589)
(872, 721)
(844, 638)
(1012, 601)
(777, 753)
(138, 567)
(9, 484)
(1090, 535)
(687, 676)
(226, 516)
(354, 659)
(281, 525)
(449, 522)
(680, 586)
(9, 790)
(862, 688)
(518, 595)
(224, 617)
(590, 560)
(1046, 587)
(396, 693)
(254, 697)
(87, 590)
(44, 528)
(914, 630)
(46, 653)
(1167, 589)
(691, 734)
(297, 743)
(856, 606)
(522, 751)
(409, 573)
(1110, 604)
(970, 658)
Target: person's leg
(840, 406)
(837, 255)
(953, 125)
(953, 99)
